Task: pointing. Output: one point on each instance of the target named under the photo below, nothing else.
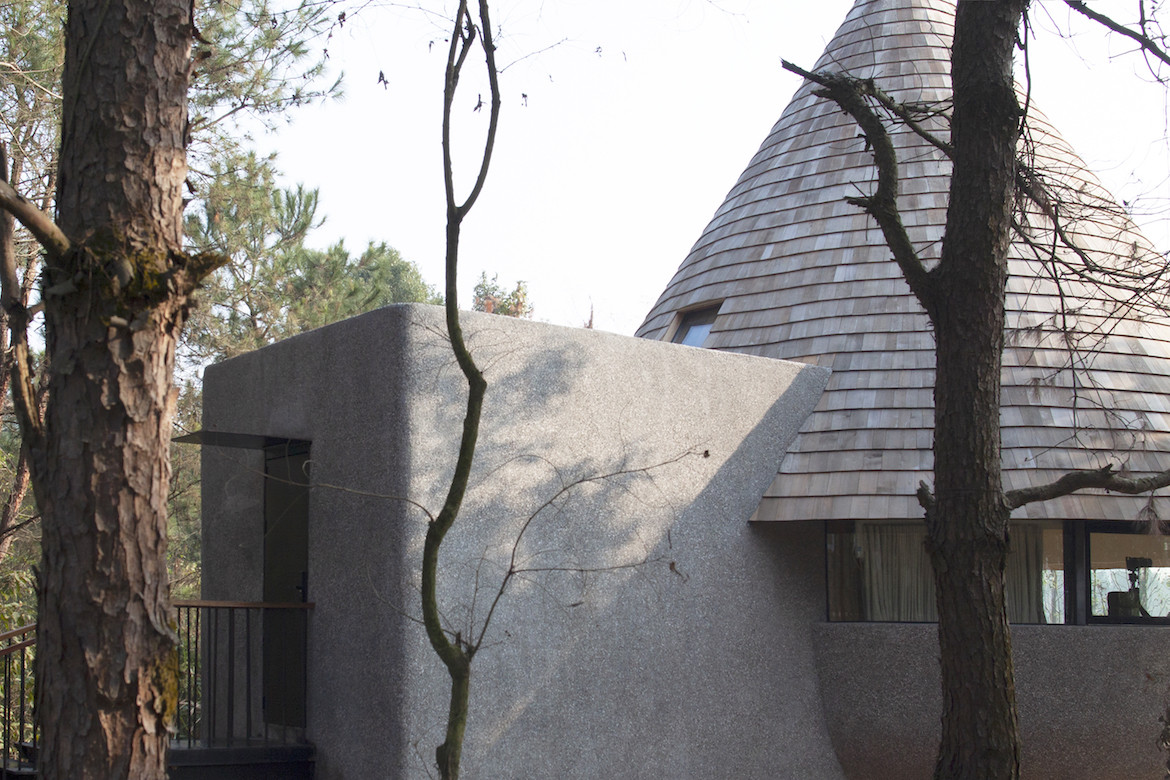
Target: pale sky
(634, 129)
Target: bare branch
(368, 493)
(489, 52)
(591, 569)
(462, 37)
(8, 532)
(908, 114)
(536, 53)
(1148, 44)
(1127, 275)
(1029, 184)
(850, 94)
(339, 488)
(24, 396)
(514, 569)
(38, 222)
(1100, 479)
(456, 655)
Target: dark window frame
(693, 320)
(1086, 616)
(1077, 536)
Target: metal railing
(18, 741)
(242, 679)
(243, 673)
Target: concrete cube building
(716, 554)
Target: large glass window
(1129, 576)
(1077, 572)
(879, 571)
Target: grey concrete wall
(342, 396)
(663, 636)
(1089, 699)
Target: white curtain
(899, 583)
(1025, 574)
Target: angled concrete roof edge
(405, 344)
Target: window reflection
(1129, 576)
(695, 326)
(879, 571)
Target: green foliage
(490, 296)
(247, 218)
(18, 598)
(184, 508)
(18, 587)
(31, 61)
(331, 285)
(32, 56)
(253, 58)
(275, 286)
(20, 547)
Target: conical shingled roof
(803, 275)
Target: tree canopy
(492, 297)
(275, 286)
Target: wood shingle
(800, 274)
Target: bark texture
(967, 514)
(115, 300)
(968, 519)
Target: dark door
(286, 573)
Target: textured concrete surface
(658, 635)
(1089, 699)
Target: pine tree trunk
(106, 667)
(967, 523)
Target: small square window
(695, 326)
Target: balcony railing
(243, 673)
(16, 665)
(242, 680)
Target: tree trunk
(967, 523)
(114, 305)
(449, 755)
(107, 672)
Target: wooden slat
(246, 604)
(803, 275)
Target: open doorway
(286, 581)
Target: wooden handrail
(21, 630)
(18, 632)
(196, 603)
(18, 646)
(245, 604)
